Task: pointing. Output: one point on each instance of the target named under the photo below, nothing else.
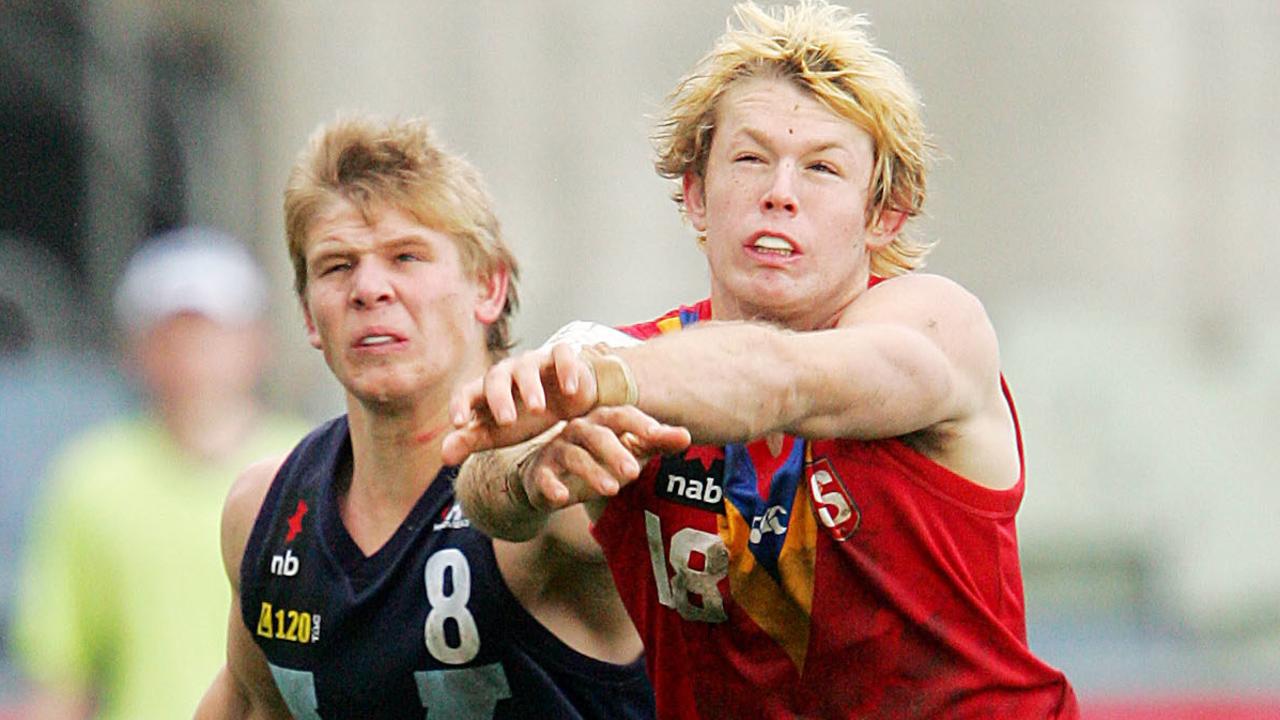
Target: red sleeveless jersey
(836, 579)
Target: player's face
(391, 306)
(782, 203)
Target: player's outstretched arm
(914, 353)
(243, 689)
(907, 354)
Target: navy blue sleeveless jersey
(423, 628)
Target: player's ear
(695, 201)
(313, 335)
(491, 296)
(886, 228)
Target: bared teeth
(771, 243)
(377, 340)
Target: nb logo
(768, 523)
(286, 564)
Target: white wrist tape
(581, 333)
(615, 384)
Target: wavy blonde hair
(373, 164)
(826, 51)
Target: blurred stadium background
(1108, 187)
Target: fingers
(484, 410)
(615, 436)
(548, 493)
(498, 396)
(521, 397)
(483, 433)
(495, 392)
(526, 371)
(567, 363)
(585, 460)
(523, 384)
(665, 439)
(594, 456)
(639, 433)
(464, 400)
(458, 444)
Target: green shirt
(123, 591)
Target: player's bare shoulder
(244, 500)
(919, 293)
(940, 308)
(979, 441)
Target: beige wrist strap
(615, 385)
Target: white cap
(191, 270)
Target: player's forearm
(491, 492)
(725, 382)
(730, 382)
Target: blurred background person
(120, 608)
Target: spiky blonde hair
(826, 51)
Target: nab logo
(832, 501)
(452, 519)
(286, 565)
(770, 523)
(695, 489)
(688, 480)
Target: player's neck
(395, 457)
(397, 447)
(812, 314)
